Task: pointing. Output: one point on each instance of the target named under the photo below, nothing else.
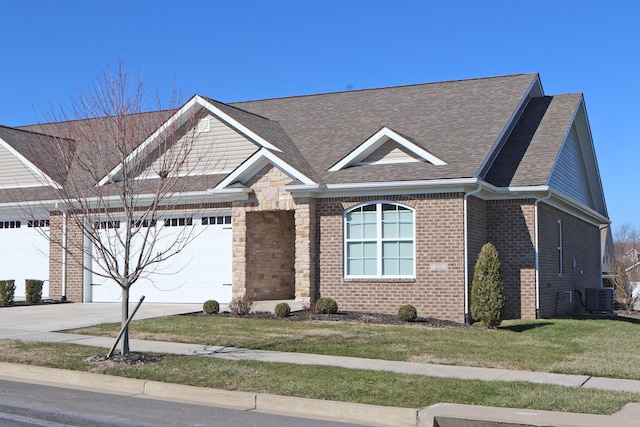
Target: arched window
(379, 241)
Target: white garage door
(24, 253)
(200, 271)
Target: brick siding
(439, 240)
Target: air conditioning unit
(599, 300)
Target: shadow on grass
(617, 318)
(525, 326)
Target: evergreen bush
(211, 306)
(33, 290)
(407, 313)
(326, 306)
(7, 291)
(282, 309)
(487, 292)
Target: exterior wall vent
(599, 300)
(204, 125)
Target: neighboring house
(376, 198)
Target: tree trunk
(125, 316)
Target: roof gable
(368, 149)
(186, 113)
(17, 170)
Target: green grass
(317, 382)
(588, 346)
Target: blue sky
(239, 50)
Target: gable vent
(204, 125)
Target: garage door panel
(201, 271)
(24, 254)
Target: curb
(357, 413)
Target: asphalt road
(24, 404)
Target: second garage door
(200, 271)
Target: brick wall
(510, 227)
(435, 292)
(74, 270)
(270, 255)
(581, 243)
(476, 236)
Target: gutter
(537, 248)
(467, 316)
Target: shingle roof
(458, 121)
(535, 142)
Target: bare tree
(124, 161)
(626, 265)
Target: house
(376, 198)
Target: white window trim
(379, 240)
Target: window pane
(370, 267)
(390, 267)
(354, 267)
(406, 250)
(354, 231)
(354, 250)
(390, 230)
(390, 216)
(406, 267)
(406, 231)
(354, 216)
(390, 250)
(370, 217)
(370, 231)
(369, 250)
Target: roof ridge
(239, 109)
(379, 88)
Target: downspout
(467, 316)
(536, 232)
(63, 297)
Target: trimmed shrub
(282, 309)
(487, 292)
(33, 290)
(241, 306)
(7, 291)
(407, 313)
(326, 306)
(211, 306)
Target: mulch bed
(348, 316)
(134, 358)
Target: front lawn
(603, 347)
(322, 382)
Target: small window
(9, 224)
(145, 223)
(560, 266)
(178, 222)
(216, 220)
(379, 241)
(38, 223)
(104, 225)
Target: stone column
(239, 256)
(305, 222)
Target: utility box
(599, 300)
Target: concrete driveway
(19, 322)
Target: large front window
(380, 241)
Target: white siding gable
(15, 174)
(215, 148)
(569, 175)
(389, 152)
